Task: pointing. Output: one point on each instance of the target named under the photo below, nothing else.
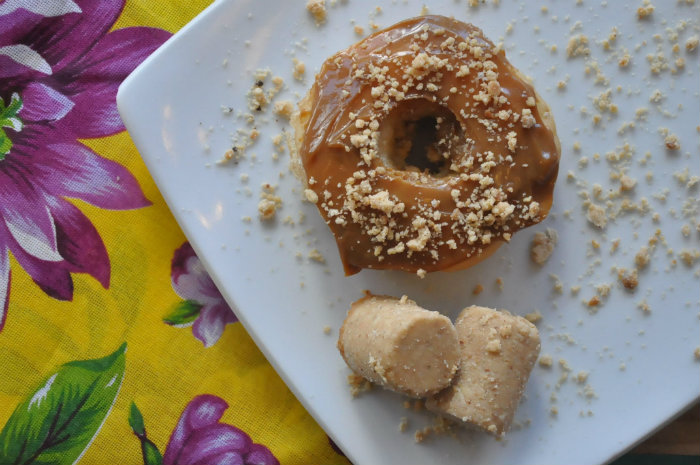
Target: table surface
(680, 437)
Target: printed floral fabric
(115, 345)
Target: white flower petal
(4, 282)
(27, 57)
(43, 8)
(31, 238)
(15, 124)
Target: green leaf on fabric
(183, 313)
(13, 123)
(136, 421)
(8, 114)
(5, 144)
(9, 119)
(12, 108)
(58, 422)
(149, 451)
(151, 454)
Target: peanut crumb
(440, 426)
(589, 392)
(269, 202)
(645, 10)
(284, 108)
(310, 196)
(545, 361)
(642, 258)
(689, 256)
(672, 143)
(603, 289)
(358, 385)
(627, 183)
(418, 405)
(624, 60)
(629, 279)
(596, 215)
(656, 96)
(644, 306)
(499, 283)
(298, 69)
(564, 365)
(543, 245)
(317, 8)
(614, 246)
(581, 377)
(578, 46)
(557, 285)
(419, 436)
(477, 289)
(316, 256)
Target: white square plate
(641, 366)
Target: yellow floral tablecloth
(115, 346)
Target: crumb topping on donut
(490, 164)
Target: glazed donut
(424, 149)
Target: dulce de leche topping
(424, 148)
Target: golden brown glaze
(494, 154)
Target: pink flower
(200, 439)
(204, 305)
(60, 68)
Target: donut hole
(421, 136)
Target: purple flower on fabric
(199, 438)
(60, 69)
(204, 307)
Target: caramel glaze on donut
(488, 171)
